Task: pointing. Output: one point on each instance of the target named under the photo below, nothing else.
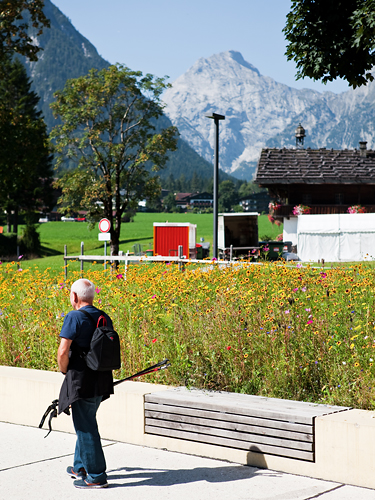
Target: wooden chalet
(194, 200)
(182, 199)
(255, 202)
(328, 181)
(201, 200)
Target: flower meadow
(270, 329)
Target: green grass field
(276, 330)
(54, 235)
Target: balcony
(287, 210)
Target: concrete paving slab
(32, 467)
(345, 492)
(21, 445)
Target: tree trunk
(9, 228)
(15, 221)
(114, 243)
(115, 239)
(114, 248)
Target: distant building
(256, 202)
(201, 200)
(194, 200)
(182, 200)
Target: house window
(339, 199)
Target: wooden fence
(181, 260)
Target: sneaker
(82, 483)
(81, 474)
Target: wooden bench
(253, 423)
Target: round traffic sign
(104, 225)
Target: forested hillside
(67, 54)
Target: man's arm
(63, 354)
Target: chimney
(300, 135)
(362, 148)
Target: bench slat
(230, 417)
(284, 408)
(254, 447)
(249, 399)
(233, 435)
(231, 426)
(245, 399)
(288, 416)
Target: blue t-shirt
(78, 327)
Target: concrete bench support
(344, 449)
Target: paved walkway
(32, 467)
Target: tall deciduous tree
(227, 195)
(169, 202)
(16, 16)
(331, 39)
(248, 188)
(25, 159)
(108, 127)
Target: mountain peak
(237, 57)
(256, 107)
(224, 61)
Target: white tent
(336, 237)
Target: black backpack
(104, 353)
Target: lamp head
(215, 116)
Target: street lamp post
(216, 118)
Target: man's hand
(63, 355)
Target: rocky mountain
(338, 121)
(262, 112)
(67, 54)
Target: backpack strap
(75, 346)
(89, 316)
(101, 317)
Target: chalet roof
(202, 196)
(315, 166)
(183, 196)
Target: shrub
(8, 245)
(29, 242)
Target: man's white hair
(84, 289)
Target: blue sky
(166, 37)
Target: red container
(169, 235)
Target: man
(83, 389)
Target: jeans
(88, 452)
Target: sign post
(104, 235)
